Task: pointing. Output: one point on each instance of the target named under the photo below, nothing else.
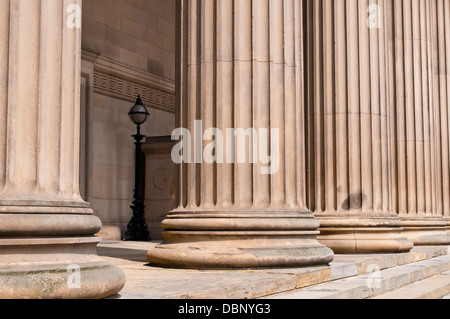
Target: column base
(48, 251)
(447, 220)
(56, 268)
(363, 234)
(240, 241)
(241, 251)
(426, 231)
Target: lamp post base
(137, 228)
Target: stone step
(147, 282)
(374, 283)
(435, 287)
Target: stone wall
(128, 49)
(140, 33)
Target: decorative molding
(122, 81)
(89, 55)
(120, 86)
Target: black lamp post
(137, 228)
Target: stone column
(47, 243)
(349, 182)
(418, 120)
(241, 68)
(440, 39)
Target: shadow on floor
(134, 255)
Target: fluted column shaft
(43, 220)
(440, 39)
(419, 115)
(241, 68)
(349, 185)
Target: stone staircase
(420, 279)
(421, 273)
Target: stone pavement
(397, 276)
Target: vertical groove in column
(207, 97)
(400, 109)
(418, 107)
(299, 102)
(64, 110)
(342, 172)
(443, 104)
(317, 149)
(409, 108)
(435, 168)
(436, 100)
(426, 110)
(198, 131)
(375, 160)
(4, 70)
(291, 150)
(328, 109)
(309, 42)
(446, 212)
(261, 99)
(383, 203)
(366, 111)
(22, 90)
(192, 99)
(390, 104)
(77, 118)
(277, 98)
(48, 159)
(70, 110)
(353, 38)
(391, 54)
(225, 178)
(180, 114)
(243, 98)
(439, 110)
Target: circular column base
(363, 234)
(56, 268)
(240, 250)
(426, 231)
(240, 239)
(364, 241)
(447, 220)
